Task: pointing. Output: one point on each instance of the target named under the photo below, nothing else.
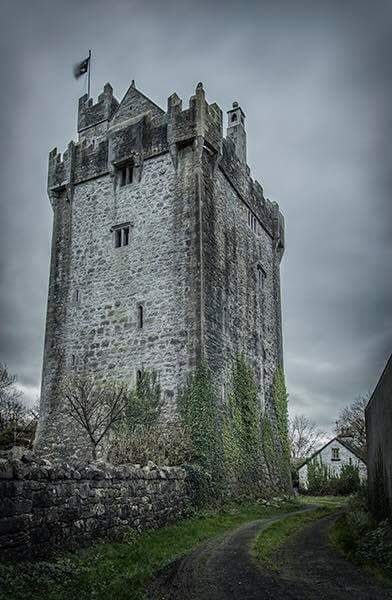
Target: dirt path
(223, 569)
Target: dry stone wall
(45, 507)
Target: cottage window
(335, 454)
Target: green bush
(362, 538)
(348, 481)
(376, 547)
(161, 443)
(322, 481)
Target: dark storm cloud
(315, 82)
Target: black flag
(81, 68)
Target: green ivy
(197, 407)
(145, 402)
(241, 429)
(275, 439)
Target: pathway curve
(223, 569)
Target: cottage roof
(344, 443)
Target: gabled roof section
(353, 450)
(134, 104)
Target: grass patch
(121, 570)
(275, 535)
(329, 501)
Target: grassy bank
(276, 534)
(365, 543)
(120, 571)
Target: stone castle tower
(164, 249)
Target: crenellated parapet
(113, 133)
(201, 120)
(60, 167)
(94, 118)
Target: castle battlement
(111, 133)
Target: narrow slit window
(139, 376)
(261, 277)
(140, 316)
(125, 236)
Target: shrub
(163, 444)
(376, 547)
(322, 481)
(348, 481)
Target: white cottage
(336, 453)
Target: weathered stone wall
(379, 445)
(240, 308)
(46, 507)
(99, 332)
(193, 260)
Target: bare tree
(351, 422)
(304, 436)
(12, 410)
(95, 406)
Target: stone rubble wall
(46, 507)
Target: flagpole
(88, 76)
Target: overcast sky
(315, 82)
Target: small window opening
(261, 277)
(121, 236)
(252, 222)
(117, 238)
(140, 316)
(335, 454)
(73, 360)
(139, 376)
(124, 175)
(233, 117)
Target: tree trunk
(93, 451)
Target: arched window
(233, 117)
